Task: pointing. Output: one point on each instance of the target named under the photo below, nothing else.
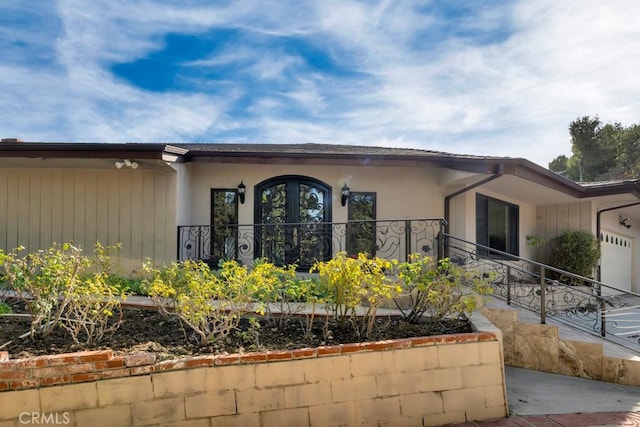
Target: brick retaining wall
(430, 380)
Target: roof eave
(90, 150)
(477, 165)
(613, 189)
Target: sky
(494, 78)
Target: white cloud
(409, 80)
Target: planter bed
(432, 380)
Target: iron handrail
(608, 307)
(510, 257)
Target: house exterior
(300, 202)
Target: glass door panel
(291, 213)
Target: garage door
(616, 259)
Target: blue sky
(500, 78)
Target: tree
(559, 164)
(591, 145)
(600, 152)
(628, 158)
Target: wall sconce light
(242, 189)
(345, 194)
(128, 163)
(624, 221)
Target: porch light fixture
(624, 221)
(345, 194)
(242, 189)
(128, 163)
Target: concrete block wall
(418, 381)
(540, 347)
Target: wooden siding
(134, 207)
(553, 220)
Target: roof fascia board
(87, 150)
(532, 172)
(613, 189)
(463, 164)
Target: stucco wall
(401, 192)
(418, 381)
(183, 192)
(463, 218)
(40, 206)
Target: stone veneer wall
(418, 381)
(539, 347)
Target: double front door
(293, 221)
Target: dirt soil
(150, 331)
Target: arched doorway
(292, 217)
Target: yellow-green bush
(61, 287)
(279, 292)
(439, 289)
(349, 282)
(212, 305)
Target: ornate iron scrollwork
(311, 241)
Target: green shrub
(439, 289)
(576, 252)
(127, 286)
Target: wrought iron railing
(574, 300)
(305, 243)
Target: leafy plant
(59, 289)
(40, 279)
(251, 336)
(211, 305)
(576, 252)
(534, 241)
(5, 289)
(349, 282)
(439, 289)
(282, 294)
(315, 296)
(127, 286)
(94, 308)
(278, 292)
(5, 308)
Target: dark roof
(334, 154)
(312, 148)
(608, 182)
(330, 154)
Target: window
(496, 225)
(224, 221)
(361, 230)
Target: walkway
(540, 399)
(606, 419)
